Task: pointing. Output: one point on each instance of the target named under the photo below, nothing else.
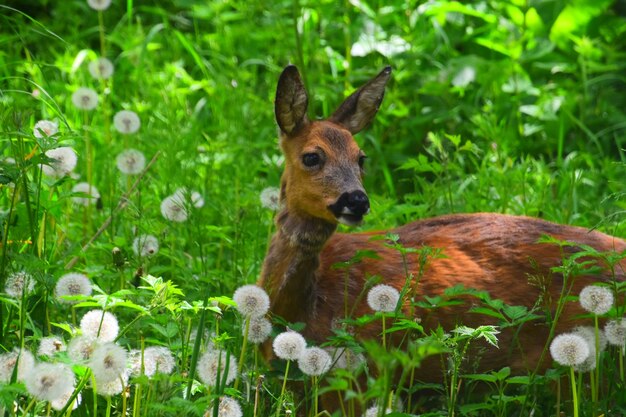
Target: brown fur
(492, 252)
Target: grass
(510, 107)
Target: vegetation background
(506, 106)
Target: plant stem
(574, 394)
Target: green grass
(513, 107)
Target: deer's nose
(358, 203)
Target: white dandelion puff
(212, 363)
(130, 162)
(314, 361)
(18, 284)
(81, 348)
(91, 194)
(45, 129)
(114, 387)
(615, 331)
(569, 349)
(50, 381)
(108, 362)
(383, 298)
(50, 346)
(589, 334)
(155, 359)
(99, 5)
(85, 98)
(63, 161)
(145, 246)
(270, 198)
(23, 359)
(289, 345)
(72, 284)
(102, 68)
(60, 403)
(173, 209)
(344, 358)
(227, 407)
(259, 330)
(99, 324)
(373, 412)
(126, 122)
(595, 299)
(183, 195)
(252, 301)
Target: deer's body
(491, 252)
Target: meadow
(139, 166)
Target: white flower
(259, 330)
(373, 412)
(155, 359)
(213, 362)
(50, 381)
(101, 68)
(72, 283)
(314, 361)
(270, 198)
(173, 209)
(108, 362)
(81, 348)
(589, 334)
(63, 161)
(145, 245)
(18, 284)
(183, 195)
(50, 346)
(99, 4)
(228, 407)
(595, 299)
(45, 128)
(59, 403)
(85, 98)
(113, 387)
(130, 162)
(569, 349)
(100, 324)
(289, 345)
(383, 298)
(24, 360)
(615, 331)
(91, 194)
(345, 358)
(252, 301)
(126, 122)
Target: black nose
(358, 203)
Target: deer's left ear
(360, 108)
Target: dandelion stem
(574, 394)
(30, 405)
(282, 391)
(243, 352)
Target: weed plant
(138, 166)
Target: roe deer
(321, 186)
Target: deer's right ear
(291, 101)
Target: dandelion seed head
(213, 361)
(130, 162)
(145, 246)
(615, 331)
(108, 362)
(50, 381)
(259, 330)
(81, 348)
(63, 161)
(270, 198)
(45, 128)
(114, 387)
(126, 122)
(227, 407)
(373, 412)
(383, 298)
(91, 326)
(589, 334)
(101, 69)
(252, 301)
(59, 403)
(344, 358)
(289, 345)
(19, 283)
(85, 98)
(72, 283)
(569, 349)
(595, 299)
(91, 194)
(99, 4)
(24, 360)
(314, 361)
(173, 209)
(183, 195)
(50, 346)
(160, 359)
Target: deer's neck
(291, 265)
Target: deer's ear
(291, 101)
(360, 108)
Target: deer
(322, 186)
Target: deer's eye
(311, 160)
(362, 159)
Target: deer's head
(323, 163)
